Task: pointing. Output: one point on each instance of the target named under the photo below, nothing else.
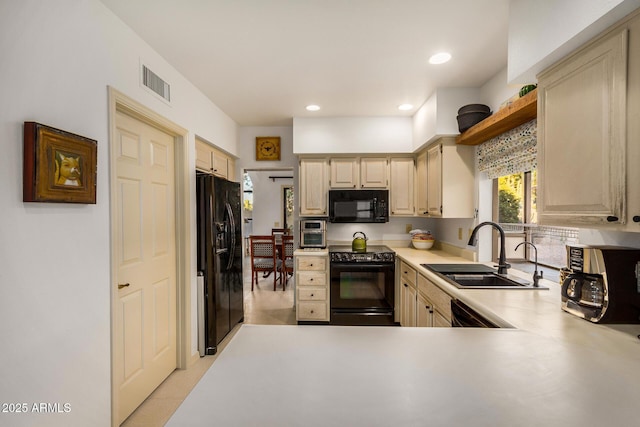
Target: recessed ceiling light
(312, 107)
(440, 58)
(405, 107)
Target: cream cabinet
(437, 299)
(213, 161)
(424, 311)
(422, 207)
(402, 171)
(345, 172)
(313, 186)
(450, 179)
(408, 295)
(312, 286)
(422, 303)
(588, 133)
(374, 172)
(582, 132)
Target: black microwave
(358, 205)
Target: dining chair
(286, 257)
(277, 233)
(263, 258)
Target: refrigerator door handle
(232, 223)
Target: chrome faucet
(502, 261)
(536, 276)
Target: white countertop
(386, 376)
(550, 369)
(537, 311)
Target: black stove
(362, 286)
(345, 254)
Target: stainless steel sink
(478, 276)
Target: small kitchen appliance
(313, 233)
(602, 284)
(351, 206)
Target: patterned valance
(512, 152)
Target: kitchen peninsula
(550, 368)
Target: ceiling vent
(155, 83)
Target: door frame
(183, 198)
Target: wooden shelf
(520, 111)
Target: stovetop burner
(373, 254)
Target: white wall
(57, 60)
(337, 135)
(437, 117)
(266, 193)
(542, 32)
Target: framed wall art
(58, 166)
(267, 148)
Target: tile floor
(263, 306)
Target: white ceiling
(263, 61)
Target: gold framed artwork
(267, 148)
(58, 166)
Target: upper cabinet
(374, 172)
(450, 171)
(213, 161)
(422, 207)
(314, 180)
(401, 194)
(345, 172)
(582, 133)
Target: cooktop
(373, 253)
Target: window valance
(512, 152)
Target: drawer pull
(310, 265)
(311, 312)
(311, 279)
(311, 294)
(405, 285)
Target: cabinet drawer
(311, 278)
(312, 311)
(312, 263)
(408, 273)
(440, 299)
(312, 294)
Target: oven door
(362, 293)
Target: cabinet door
(401, 193)
(424, 312)
(204, 157)
(345, 173)
(434, 180)
(408, 312)
(313, 187)
(374, 172)
(581, 137)
(440, 321)
(421, 184)
(220, 165)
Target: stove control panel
(362, 257)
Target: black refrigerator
(219, 259)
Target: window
(516, 196)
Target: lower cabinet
(438, 300)
(424, 312)
(422, 303)
(312, 287)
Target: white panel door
(145, 309)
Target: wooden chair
(277, 233)
(263, 258)
(286, 257)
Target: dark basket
(466, 120)
(474, 108)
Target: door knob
(120, 286)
